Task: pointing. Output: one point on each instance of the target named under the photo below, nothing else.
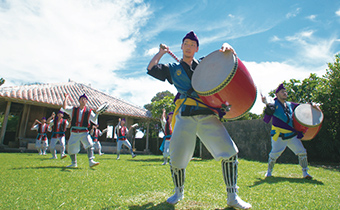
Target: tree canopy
(161, 100)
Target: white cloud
(337, 12)
(310, 49)
(311, 17)
(300, 36)
(51, 41)
(293, 13)
(141, 90)
(152, 51)
(275, 39)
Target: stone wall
(252, 138)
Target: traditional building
(29, 102)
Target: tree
(164, 103)
(2, 81)
(330, 98)
(249, 116)
(159, 96)
(305, 91)
(161, 100)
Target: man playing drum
(283, 133)
(194, 119)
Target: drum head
(215, 70)
(308, 116)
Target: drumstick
(264, 99)
(163, 46)
(71, 100)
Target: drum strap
(279, 131)
(190, 101)
(220, 111)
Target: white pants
(39, 144)
(97, 145)
(166, 150)
(211, 132)
(54, 142)
(120, 144)
(280, 145)
(74, 142)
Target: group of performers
(80, 121)
(189, 119)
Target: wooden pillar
(4, 124)
(147, 138)
(23, 122)
(201, 149)
(26, 123)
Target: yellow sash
(278, 131)
(185, 101)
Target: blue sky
(109, 44)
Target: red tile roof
(53, 94)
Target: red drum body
(308, 120)
(222, 79)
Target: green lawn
(30, 181)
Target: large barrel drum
(222, 80)
(308, 120)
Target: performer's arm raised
(155, 60)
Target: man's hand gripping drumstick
(264, 99)
(67, 98)
(163, 49)
(163, 46)
(226, 47)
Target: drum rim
(241, 115)
(223, 84)
(303, 124)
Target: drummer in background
(81, 118)
(121, 132)
(192, 119)
(95, 134)
(283, 134)
(167, 128)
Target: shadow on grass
(63, 168)
(151, 205)
(112, 158)
(331, 167)
(228, 208)
(146, 160)
(277, 179)
(159, 160)
(110, 207)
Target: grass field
(30, 181)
